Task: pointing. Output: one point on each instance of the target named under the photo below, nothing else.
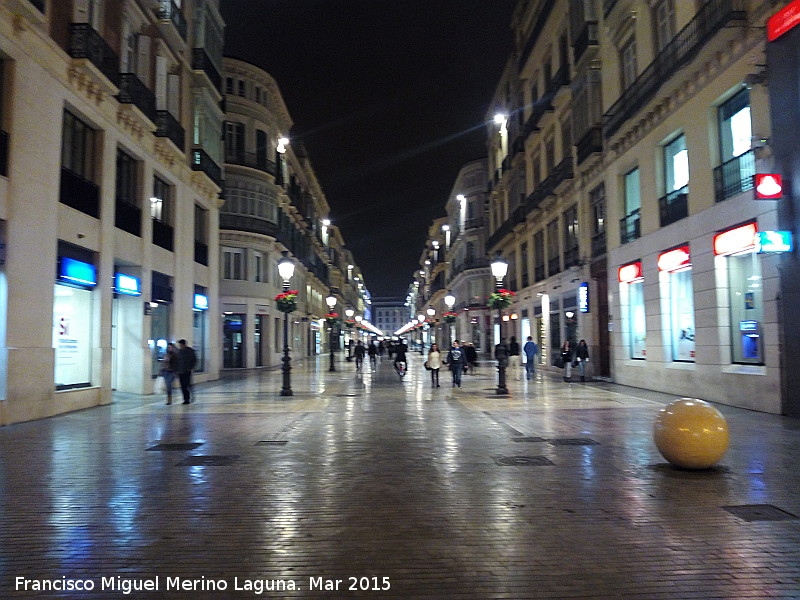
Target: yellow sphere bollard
(691, 434)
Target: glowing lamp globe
(691, 434)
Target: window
(78, 147)
(553, 252)
(523, 252)
(629, 224)
(229, 85)
(637, 324)
(664, 22)
(128, 216)
(200, 235)
(746, 308)
(550, 155)
(566, 139)
(161, 213)
(242, 88)
(538, 256)
(597, 201)
(735, 127)
(258, 267)
(675, 273)
(676, 164)
(234, 141)
(628, 63)
(571, 249)
(233, 263)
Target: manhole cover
(348, 395)
(527, 439)
(573, 442)
(759, 512)
(175, 447)
(523, 461)
(208, 461)
(272, 443)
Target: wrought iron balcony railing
(163, 235)
(598, 244)
(588, 36)
(133, 91)
(168, 126)
(85, 42)
(251, 159)
(202, 62)
(128, 217)
(591, 142)
(710, 19)
(79, 193)
(734, 176)
(674, 206)
(201, 161)
(169, 11)
(629, 228)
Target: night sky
(389, 98)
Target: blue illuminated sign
(76, 272)
(200, 302)
(583, 298)
(774, 241)
(748, 326)
(127, 284)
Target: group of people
(461, 358)
(573, 356)
(178, 362)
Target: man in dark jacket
(456, 359)
(187, 359)
(513, 357)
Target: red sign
(783, 20)
(739, 239)
(674, 260)
(769, 186)
(630, 273)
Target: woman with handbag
(169, 369)
(434, 363)
(567, 355)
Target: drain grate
(527, 439)
(175, 447)
(208, 461)
(348, 395)
(523, 461)
(272, 443)
(760, 512)
(573, 442)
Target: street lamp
(331, 302)
(286, 270)
(499, 270)
(349, 314)
(431, 312)
(421, 319)
(450, 301)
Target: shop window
(629, 224)
(676, 276)
(631, 288)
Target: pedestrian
(456, 359)
(581, 358)
(372, 350)
(169, 369)
(531, 350)
(399, 352)
(567, 356)
(472, 357)
(187, 359)
(359, 354)
(434, 364)
(513, 357)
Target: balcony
(588, 36)
(734, 176)
(133, 91)
(168, 126)
(3, 154)
(536, 31)
(674, 206)
(202, 62)
(629, 228)
(572, 257)
(559, 80)
(561, 173)
(201, 161)
(79, 193)
(474, 223)
(591, 142)
(469, 263)
(171, 20)
(251, 159)
(712, 17)
(553, 266)
(163, 235)
(248, 223)
(598, 244)
(128, 217)
(540, 107)
(538, 273)
(86, 43)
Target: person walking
(531, 350)
(582, 357)
(169, 369)
(400, 354)
(513, 357)
(567, 355)
(434, 364)
(359, 353)
(187, 359)
(456, 359)
(372, 351)
(472, 357)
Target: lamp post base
(332, 368)
(501, 381)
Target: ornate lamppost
(500, 300)
(331, 319)
(350, 322)
(421, 319)
(431, 326)
(450, 316)
(287, 302)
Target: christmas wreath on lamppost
(332, 319)
(287, 301)
(450, 317)
(501, 299)
(350, 323)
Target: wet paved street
(375, 482)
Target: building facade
(108, 196)
(635, 129)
